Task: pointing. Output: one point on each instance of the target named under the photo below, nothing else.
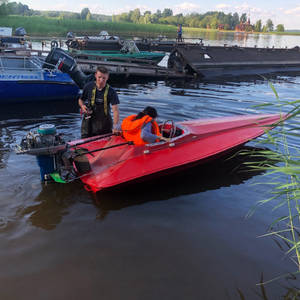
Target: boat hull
(36, 91)
(26, 87)
(25, 79)
(202, 140)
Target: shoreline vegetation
(36, 26)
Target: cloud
(223, 6)
(294, 11)
(186, 7)
(126, 9)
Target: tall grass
(283, 178)
(281, 167)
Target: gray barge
(217, 61)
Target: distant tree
(158, 13)
(53, 14)
(124, 17)
(167, 12)
(235, 20)
(280, 28)
(84, 12)
(180, 19)
(3, 8)
(75, 16)
(147, 17)
(258, 26)
(88, 16)
(153, 19)
(135, 15)
(214, 22)
(270, 25)
(243, 18)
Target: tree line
(14, 8)
(211, 20)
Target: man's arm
(82, 105)
(116, 115)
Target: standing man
(95, 103)
(179, 33)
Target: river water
(181, 237)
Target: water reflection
(242, 39)
(22, 111)
(236, 81)
(4, 153)
(53, 201)
(52, 204)
(224, 172)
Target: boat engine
(57, 160)
(44, 143)
(67, 64)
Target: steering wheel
(168, 128)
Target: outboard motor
(70, 35)
(57, 160)
(42, 143)
(67, 64)
(20, 31)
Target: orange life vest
(132, 129)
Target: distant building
(244, 26)
(221, 27)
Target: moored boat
(108, 161)
(141, 56)
(29, 79)
(8, 42)
(219, 61)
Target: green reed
(282, 167)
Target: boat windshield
(170, 129)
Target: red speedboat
(104, 162)
(114, 162)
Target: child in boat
(142, 128)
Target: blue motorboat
(30, 79)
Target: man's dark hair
(102, 69)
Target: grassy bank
(41, 26)
(58, 27)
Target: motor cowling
(60, 59)
(45, 136)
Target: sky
(286, 12)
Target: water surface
(181, 237)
